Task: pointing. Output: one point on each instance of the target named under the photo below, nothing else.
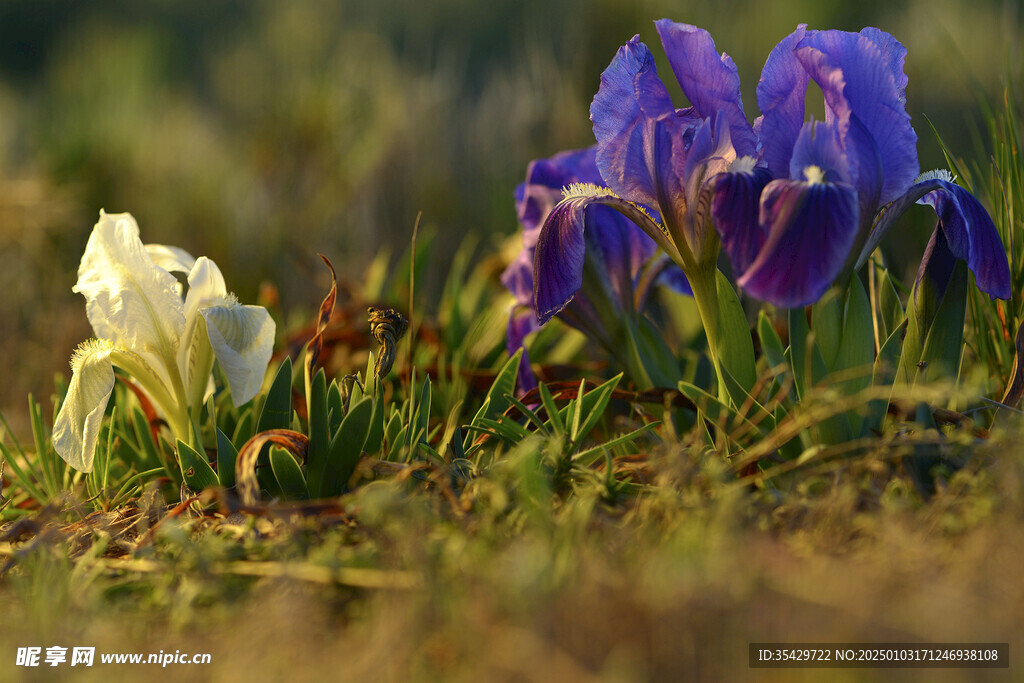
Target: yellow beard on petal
(814, 174)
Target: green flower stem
(174, 408)
(725, 324)
(729, 345)
(200, 361)
(705, 294)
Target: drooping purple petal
(811, 227)
(710, 81)
(622, 246)
(636, 125)
(887, 215)
(972, 236)
(522, 322)
(558, 260)
(780, 96)
(518, 277)
(734, 209)
(857, 77)
(937, 268)
(562, 246)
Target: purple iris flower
(821, 213)
(619, 272)
(657, 161)
(796, 205)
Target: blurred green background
(260, 133)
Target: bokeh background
(262, 132)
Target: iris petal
(888, 214)
(170, 258)
(894, 54)
(810, 227)
(711, 151)
(623, 249)
(818, 145)
(205, 287)
(77, 427)
(545, 179)
(710, 81)
(636, 125)
(734, 209)
(242, 338)
(522, 322)
(859, 80)
(558, 260)
(518, 277)
(972, 236)
(780, 97)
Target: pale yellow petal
(77, 427)
(242, 338)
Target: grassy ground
(508, 579)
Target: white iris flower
(165, 337)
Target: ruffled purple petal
(857, 76)
(734, 209)
(972, 236)
(710, 81)
(635, 125)
(811, 227)
(894, 54)
(780, 96)
(545, 179)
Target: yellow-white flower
(164, 336)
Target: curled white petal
(77, 427)
(130, 301)
(171, 259)
(242, 338)
(205, 287)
